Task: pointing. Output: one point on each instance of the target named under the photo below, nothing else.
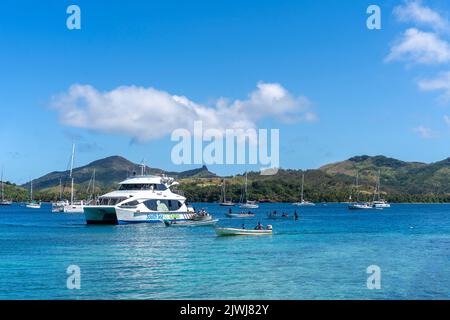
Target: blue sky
(363, 101)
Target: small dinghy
(191, 223)
(202, 215)
(243, 232)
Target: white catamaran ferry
(144, 198)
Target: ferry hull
(100, 214)
(73, 209)
(130, 216)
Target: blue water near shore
(324, 255)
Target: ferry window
(161, 187)
(174, 205)
(162, 205)
(131, 203)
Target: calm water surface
(324, 255)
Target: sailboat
(377, 202)
(91, 186)
(244, 196)
(359, 205)
(303, 202)
(4, 202)
(33, 204)
(225, 202)
(58, 206)
(73, 206)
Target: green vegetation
(400, 182)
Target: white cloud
(441, 83)
(420, 47)
(416, 12)
(425, 132)
(147, 113)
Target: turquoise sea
(324, 255)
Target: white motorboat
(227, 204)
(5, 202)
(74, 207)
(202, 215)
(33, 205)
(380, 204)
(243, 232)
(303, 202)
(360, 206)
(140, 199)
(190, 223)
(244, 202)
(240, 215)
(58, 206)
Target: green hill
(401, 181)
(108, 172)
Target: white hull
(249, 206)
(380, 204)
(304, 203)
(239, 215)
(190, 223)
(34, 205)
(241, 232)
(360, 206)
(227, 204)
(73, 208)
(5, 203)
(100, 214)
(125, 216)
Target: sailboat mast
(303, 182)
(3, 190)
(93, 186)
(60, 189)
(357, 186)
(71, 169)
(246, 195)
(379, 183)
(31, 190)
(224, 198)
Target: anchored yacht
(144, 198)
(303, 202)
(377, 202)
(244, 202)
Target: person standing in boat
(259, 226)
